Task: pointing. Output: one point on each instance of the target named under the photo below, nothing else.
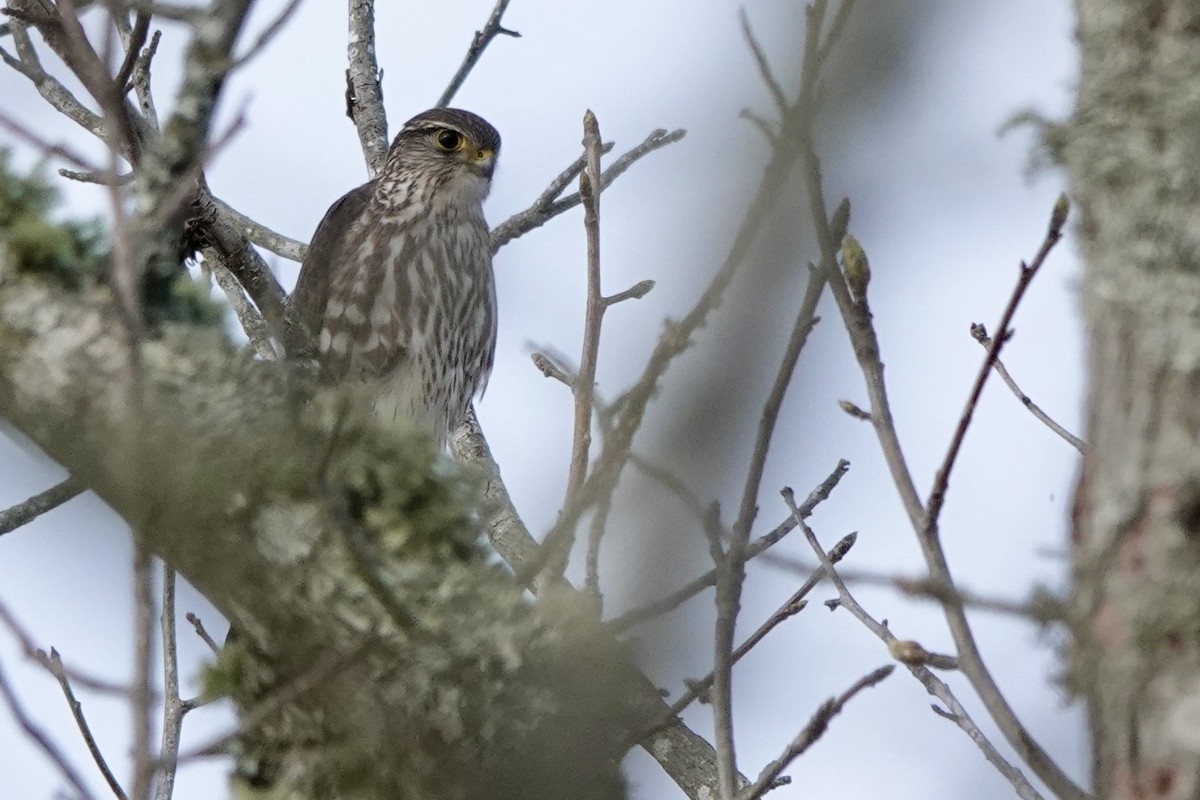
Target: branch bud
(856, 268)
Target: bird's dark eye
(450, 141)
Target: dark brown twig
(491, 29)
(941, 481)
(979, 333)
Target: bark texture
(1132, 149)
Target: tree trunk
(1133, 153)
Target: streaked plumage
(397, 285)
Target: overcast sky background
(945, 210)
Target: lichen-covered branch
(220, 472)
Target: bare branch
(546, 207)
(61, 151)
(141, 81)
(685, 593)
(584, 386)
(174, 709)
(198, 625)
(790, 608)
(812, 732)
(729, 590)
(933, 684)
(364, 97)
(980, 334)
(859, 326)
(1042, 607)
(764, 67)
(941, 481)
(103, 177)
(41, 739)
(133, 50)
(50, 88)
(142, 693)
(54, 666)
(547, 367)
(491, 29)
(29, 510)
(635, 292)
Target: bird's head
(454, 151)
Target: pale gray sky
(945, 211)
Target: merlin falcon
(397, 287)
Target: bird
(397, 287)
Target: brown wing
(308, 301)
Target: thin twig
(31, 651)
(54, 665)
(141, 81)
(62, 151)
(29, 510)
(933, 684)
(268, 33)
(790, 607)
(198, 625)
(862, 334)
(39, 737)
(491, 29)
(980, 334)
(584, 386)
(133, 50)
(142, 691)
(764, 66)
(1041, 607)
(941, 481)
(548, 368)
(364, 96)
(174, 708)
(546, 207)
(103, 177)
(677, 336)
(812, 732)
(694, 587)
(635, 292)
(728, 595)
